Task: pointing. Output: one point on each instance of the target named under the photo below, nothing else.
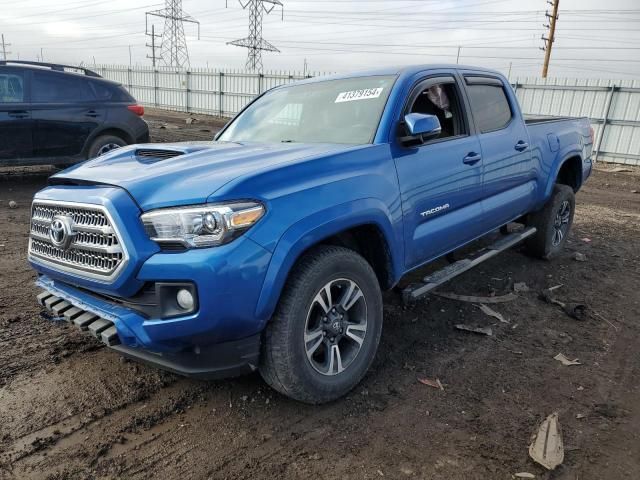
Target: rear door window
(489, 106)
(105, 92)
(12, 87)
(52, 87)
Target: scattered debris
(574, 310)
(481, 330)
(580, 257)
(586, 240)
(524, 475)
(580, 416)
(555, 287)
(520, 287)
(618, 170)
(163, 126)
(491, 312)
(473, 299)
(546, 446)
(634, 191)
(602, 318)
(12, 204)
(431, 383)
(190, 120)
(565, 361)
(580, 388)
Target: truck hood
(161, 175)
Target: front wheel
(326, 329)
(104, 144)
(553, 223)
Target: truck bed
(533, 119)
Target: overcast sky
(593, 39)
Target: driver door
(440, 180)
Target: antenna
(173, 49)
(254, 42)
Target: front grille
(94, 248)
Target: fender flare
(564, 155)
(313, 229)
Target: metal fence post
(260, 81)
(187, 91)
(221, 92)
(605, 119)
(155, 88)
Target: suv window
(106, 92)
(490, 106)
(59, 88)
(11, 88)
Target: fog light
(185, 299)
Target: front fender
(317, 227)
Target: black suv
(51, 115)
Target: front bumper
(215, 361)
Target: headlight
(203, 225)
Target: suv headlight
(203, 225)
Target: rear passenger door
(65, 112)
(508, 171)
(16, 125)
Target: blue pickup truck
(269, 247)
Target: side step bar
(434, 280)
(102, 329)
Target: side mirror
(421, 126)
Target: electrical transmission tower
(548, 41)
(173, 49)
(4, 48)
(254, 42)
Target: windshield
(332, 111)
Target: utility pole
(458, 57)
(4, 48)
(254, 42)
(153, 45)
(548, 41)
(129, 55)
(173, 49)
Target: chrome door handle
(521, 146)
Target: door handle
(472, 158)
(92, 113)
(19, 114)
(521, 146)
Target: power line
(4, 48)
(254, 42)
(548, 41)
(173, 49)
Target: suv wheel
(553, 223)
(326, 329)
(104, 144)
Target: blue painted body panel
(424, 200)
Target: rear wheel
(104, 144)
(553, 223)
(326, 329)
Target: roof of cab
(400, 71)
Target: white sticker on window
(362, 94)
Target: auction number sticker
(361, 94)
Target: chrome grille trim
(96, 250)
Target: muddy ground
(72, 409)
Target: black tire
(285, 365)
(102, 142)
(545, 243)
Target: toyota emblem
(60, 231)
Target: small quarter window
(490, 106)
(11, 88)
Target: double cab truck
(268, 248)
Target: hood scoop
(155, 155)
